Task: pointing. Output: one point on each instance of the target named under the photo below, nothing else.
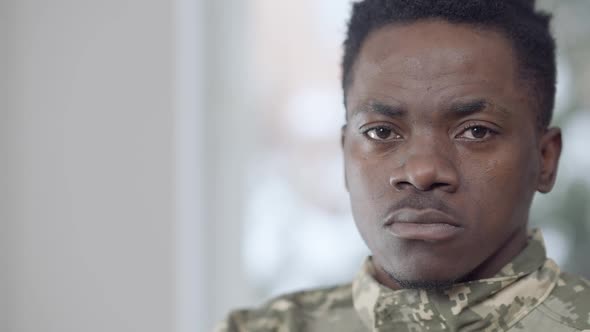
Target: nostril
(404, 184)
(400, 185)
(443, 186)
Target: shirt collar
(487, 304)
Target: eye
(476, 132)
(382, 133)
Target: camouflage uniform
(528, 294)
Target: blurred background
(166, 161)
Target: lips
(426, 225)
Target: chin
(431, 275)
(422, 281)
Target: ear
(550, 150)
(342, 141)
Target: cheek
(501, 184)
(366, 176)
(368, 186)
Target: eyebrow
(384, 109)
(465, 108)
(469, 107)
(459, 109)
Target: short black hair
(527, 29)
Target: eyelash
(465, 128)
(367, 131)
(472, 125)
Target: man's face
(442, 152)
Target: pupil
(383, 133)
(479, 132)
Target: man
(447, 140)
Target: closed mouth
(428, 225)
(425, 216)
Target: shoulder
(569, 302)
(290, 311)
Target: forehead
(435, 57)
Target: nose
(425, 171)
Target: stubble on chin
(429, 285)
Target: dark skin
(443, 153)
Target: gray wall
(87, 166)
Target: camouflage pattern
(528, 294)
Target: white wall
(229, 118)
(87, 166)
(192, 307)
